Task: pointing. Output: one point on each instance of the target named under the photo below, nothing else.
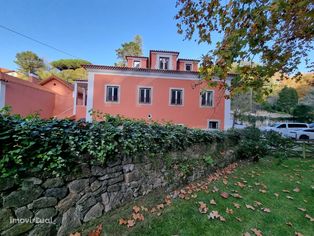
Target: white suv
(285, 128)
(303, 134)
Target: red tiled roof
(185, 59)
(102, 67)
(65, 83)
(4, 70)
(11, 79)
(163, 51)
(137, 57)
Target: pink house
(52, 97)
(161, 87)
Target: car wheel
(304, 137)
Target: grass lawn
(275, 192)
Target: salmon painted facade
(49, 98)
(161, 87)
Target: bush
(252, 145)
(33, 145)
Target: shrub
(33, 145)
(252, 145)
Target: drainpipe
(74, 98)
(2, 94)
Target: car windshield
(274, 125)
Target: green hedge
(33, 145)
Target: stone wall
(80, 197)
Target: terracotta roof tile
(186, 59)
(102, 67)
(164, 51)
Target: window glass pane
(179, 97)
(141, 95)
(297, 126)
(115, 96)
(147, 96)
(173, 96)
(209, 98)
(213, 125)
(109, 93)
(282, 126)
(188, 67)
(203, 99)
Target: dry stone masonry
(59, 205)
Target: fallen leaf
(298, 234)
(236, 195)
(225, 181)
(158, 213)
(289, 224)
(136, 209)
(160, 206)
(246, 234)
(202, 207)
(297, 190)
(266, 210)
(194, 196)
(257, 203)
(131, 223)
(153, 210)
(96, 232)
(238, 219)
(240, 184)
(75, 234)
(224, 195)
(286, 191)
(236, 205)
(221, 218)
(309, 217)
(257, 232)
(122, 221)
(229, 211)
(168, 200)
(276, 194)
(262, 191)
(289, 197)
(215, 189)
(213, 215)
(138, 216)
(301, 209)
(212, 202)
(250, 207)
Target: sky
(91, 29)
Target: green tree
(277, 32)
(133, 48)
(303, 113)
(288, 99)
(67, 75)
(29, 62)
(66, 64)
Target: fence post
(303, 149)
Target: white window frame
(213, 103)
(119, 92)
(139, 61)
(138, 95)
(218, 122)
(170, 92)
(169, 55)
